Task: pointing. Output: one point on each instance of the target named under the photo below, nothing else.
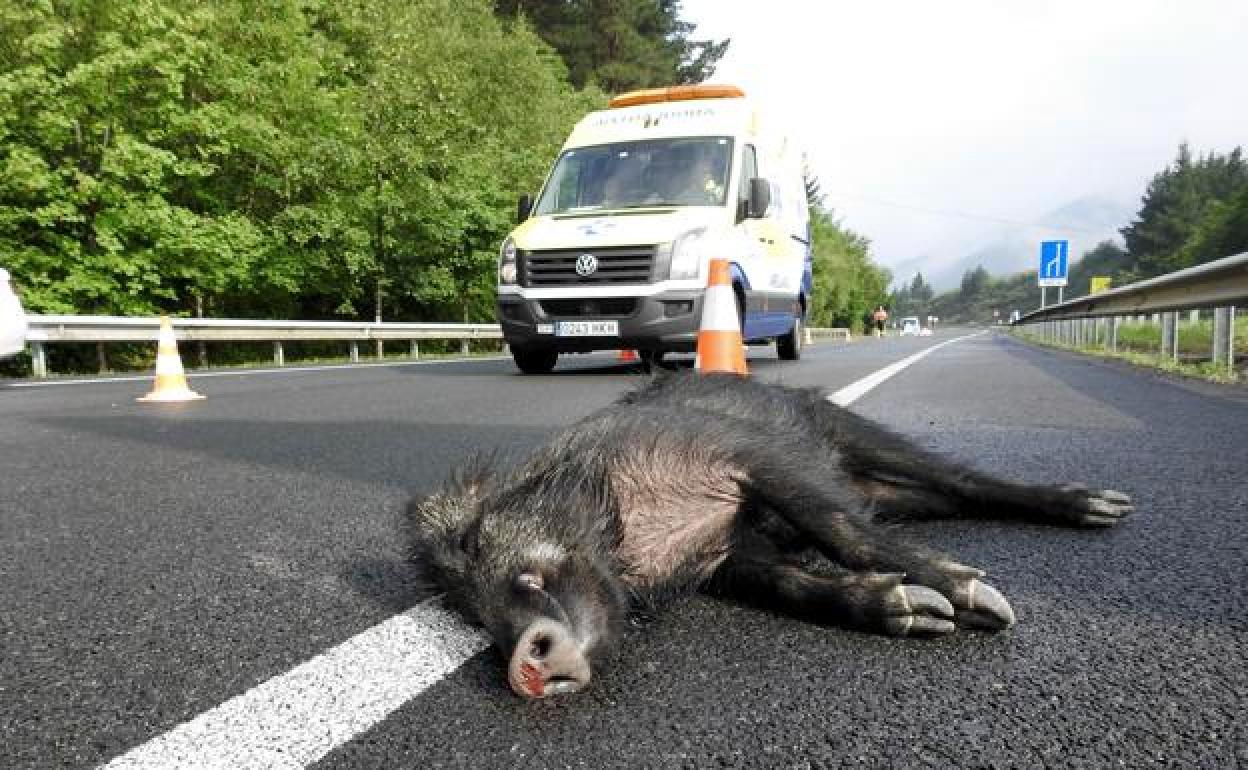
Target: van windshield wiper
(655, 205)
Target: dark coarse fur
(722, 484)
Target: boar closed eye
(529, 581)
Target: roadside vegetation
(310, 159)
(1140, 344)
(1193, 211)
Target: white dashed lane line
(294, 719)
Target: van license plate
(587, 329)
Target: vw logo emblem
(586, 264)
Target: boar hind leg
(830, 517)
(907, 482)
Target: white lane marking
(856, 390)
(194, 375)
(295, 719)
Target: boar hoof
(983, 607)
(1099, 507)
(918, 611)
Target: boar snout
(547, 660)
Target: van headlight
(507, 262)
(684, 255)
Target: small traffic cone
(170, 382)
(628, 356)
(720, 346)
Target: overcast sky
(985, 110)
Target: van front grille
(590, 307)
(615, 265)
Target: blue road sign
(1053, 262)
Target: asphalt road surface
(159, 561)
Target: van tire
(535, 360)
(789, 346)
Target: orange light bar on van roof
(675, 94)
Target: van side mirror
(760, 198)
(524, 207)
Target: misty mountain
(1084, 222)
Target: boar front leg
(823, 506)
(867, 601)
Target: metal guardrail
(48, 329)
(45, 329)
(1220, 285)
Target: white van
(613, 252)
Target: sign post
(1053, 267)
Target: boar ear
(437, 532)
(471, 479)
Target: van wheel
(535, 360)
(789, 346)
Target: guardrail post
(38, 360)
(1111, 336)
(463, 346)
(1169, 335)
(101, 357)
(1223, 334)
(1230, 340)
(355, 352)
(279, 356)
(381, 350)
(415, 349)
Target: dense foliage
(285, 158)
(847, 284)
(620, 45)
(314, 158)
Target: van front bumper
(667, 321)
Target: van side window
(749, 170)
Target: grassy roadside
(1140, 344)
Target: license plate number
(587, 329)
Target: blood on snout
(532, 678)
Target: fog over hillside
(1084, 222)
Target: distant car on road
(911, 326)
(12, 319)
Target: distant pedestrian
(879, 317)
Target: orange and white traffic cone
(170, 382)
(628, 356)
(720, 346)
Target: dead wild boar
(721, 484)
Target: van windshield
(655, 172)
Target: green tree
(1223, 232)
(1106, 258)
(444, 145)
(620, 44)
(847, 284)
(148, 148)
(974, 282)
(1177, 201)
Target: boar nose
(547, 661)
